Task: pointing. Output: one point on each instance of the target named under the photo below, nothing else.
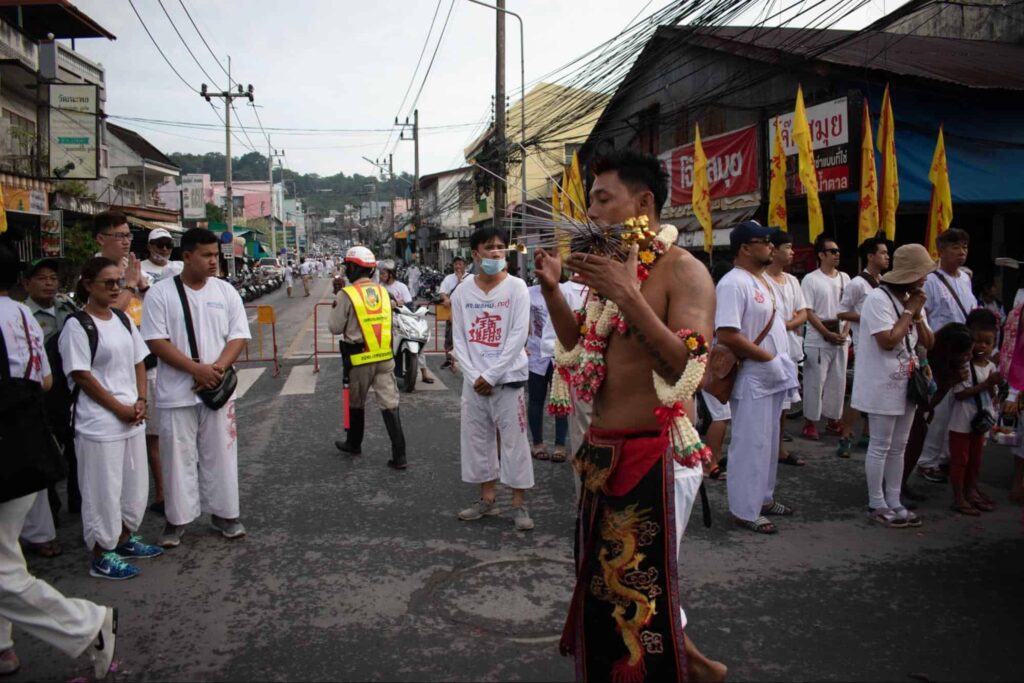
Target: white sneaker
(522, 519)
(102, 651)
(479, 509)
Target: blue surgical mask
(492, 266)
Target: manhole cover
(518, 598)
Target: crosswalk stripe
(301, 380)
(246, 378)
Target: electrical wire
(157, 46)
(202, 38)
(184, 42)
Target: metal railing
(436, 343)
(265, 316)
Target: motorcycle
(409, 334)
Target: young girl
(109, 416)
(973, 395)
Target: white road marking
(301, 380)
(246, 378)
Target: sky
(341, 64)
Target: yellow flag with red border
(805, 167)
(867, 216)
(940, 211)
(889, 195)
(701, 200)
(575, 191)
(777, 187)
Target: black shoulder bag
(918, 382)
(983, 420)
(213, 398)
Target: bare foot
(699, 667)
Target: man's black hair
(781, 237)
(869, 247)
(952, 236)
(10, 267)
(637, 170)
(196, 236)
(821, 241)
(982, 320)
(486, 234)
(105, 220)
(458, 258)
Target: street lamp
(522, 101)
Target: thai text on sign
(732, 166)
(830, 139)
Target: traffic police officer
(362, 316)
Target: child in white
(110, 433)
(489, 334)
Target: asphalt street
(351, 571)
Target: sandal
(427, 380)
(792, 459)
(777, 509)
(48, 549)
(540, 452)
(558, 455)
(909, 517)
(982, 504)
(887, 518)
(967, 509)
(761, 525)
(716, 472)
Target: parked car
(270, 266)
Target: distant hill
(320, 192)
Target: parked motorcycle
(410, 332)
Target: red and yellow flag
(889, 197)
(940, 212)
(3, 212)
(808, 174)
(575, 203)
(867, 220)
(701, 191)
(777, 186)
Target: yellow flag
(940, 213)
(556, 203)
(777, 187)
(575, 191)
(3, 212)
(561, 234)
(808, 174)
(867, 221)
(701, 191)
(889, 197)
(566, 205)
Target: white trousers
(114, 478)
(687, 484)
(883, 464)
(483, 418)
(824, 382)
(199, 457)
(935, 451)
(39, 527)
(753, 454)
(69, 624)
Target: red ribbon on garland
(666, 415)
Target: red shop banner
(732, 166)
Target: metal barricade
(335, 350)
(265, 315)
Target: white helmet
(387, 264)
(361, 256)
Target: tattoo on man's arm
(662, 366)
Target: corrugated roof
(968, 63)
(139, 145)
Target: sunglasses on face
(759, 240)
(111, 284)
(163, 244)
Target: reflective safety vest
(372, 306)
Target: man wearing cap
(749, 322)
(159, 264)
(361, 314)
(51, 310)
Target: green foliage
(214, 214)
(319, 192)
(75, 188)
(79, 247)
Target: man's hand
(916, 301)
(994, 380)
(482, 387)
(614, 280)
(206, 376)
(126, 413)
(132, 272)
(548, 269)
(140, 411)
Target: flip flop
(966, 510)
(717, 472)
(791, 459)
(539, 452)
(427, 380)
(761, 525)
(558, 455)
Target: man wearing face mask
(159, 264)
(490, 324)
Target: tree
(214, 214)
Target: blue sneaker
(112, 567)
(134, 547)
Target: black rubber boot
(394, 426)
(353, 443)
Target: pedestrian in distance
(71, 625)
(490, 325)
(196, 324)
(103, 356)
(448, 285)
(973, 416)
(305, 270)
(892, 325)
(401, 296)
(289, 278)
(362, 316)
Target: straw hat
(910, 263)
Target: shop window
(18, 146)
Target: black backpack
(93, 334)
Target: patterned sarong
(624, 624)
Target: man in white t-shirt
(793, 309)
(159, 264)
(874, 254)
(448, 285)
(412, 277)
(200, 454)
(950, 297)
(490, 323)
(748, 321)
(304, 272)
(289, 278)
(825, 343)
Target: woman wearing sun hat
(892, 326)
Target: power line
(437, 46)
(157, 46)
(295, 131)
(239, 119)
(202, 38)
(184, 42)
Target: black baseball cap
(746, 231)
(51, 263)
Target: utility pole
(271, 153)
(228, 95)
(416, 170)
(499, 112)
